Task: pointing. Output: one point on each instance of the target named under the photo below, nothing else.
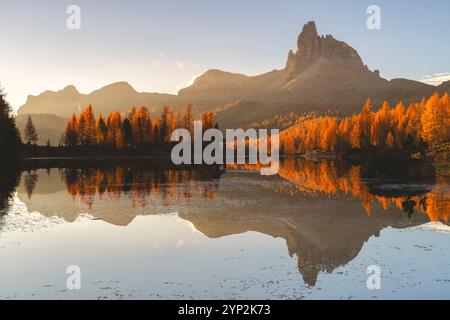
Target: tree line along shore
(419, 128)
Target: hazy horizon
(161, 46)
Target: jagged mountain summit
(323, 73)
(311, 47)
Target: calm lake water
(311, 232)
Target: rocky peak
(122, 87)
(70, 89)
(308, 43)
(311, 47)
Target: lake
(136, 230)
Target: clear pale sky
(161, 46)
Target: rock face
(310, 47)
(444, 87)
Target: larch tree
(208, 120)
(432, 121)
(101, 131)
(402, 128)
(141, 126)
(398, 121)
(355, 133)
(380, 125)
(188, 118)
(365, 119)
(343, 140)
(444, 103)
(72, 134)
(114, 125)
(87, 127)
(167, 124)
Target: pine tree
(101, 131)
(127, 133)
(9, 135)
(31, 136)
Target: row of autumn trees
(420, 125)
(136, 129)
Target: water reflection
(30, 180)
(139, 182)
(411, 185)
(324, 210)
(9, 179)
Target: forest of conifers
(137, 129)
(416, 127)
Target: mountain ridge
(323, 73)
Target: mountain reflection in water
(325, 210)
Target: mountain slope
(444, 87)
(117, 96)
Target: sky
(161, 46)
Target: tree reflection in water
(324, 210)
(408, 184)
(9, 179)
(411, 185)
(139, 183)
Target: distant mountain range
(322, 74)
